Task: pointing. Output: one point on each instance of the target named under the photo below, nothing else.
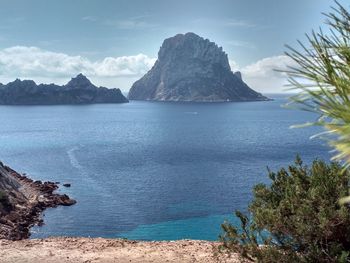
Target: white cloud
(237, 23)
(46, 66)
(234, 65)
(123, 66)
(262, 75)
(89, 18)
(239, 43)
(225, 22)
(136, 22)
(129, 24)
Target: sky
(114, 43)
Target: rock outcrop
(77, 91)
(190, 68)
(22, 201)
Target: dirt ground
(89, 250)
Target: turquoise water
(152, 171)
(185, 229)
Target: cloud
(225, 22)
(89, 18)
(123, 66)
(45, 66)
(129, 24)
(135, 22)
(239, 43)
(41, 65)
(262, 75)
(234, 65)
(237, 23)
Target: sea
(154, 170)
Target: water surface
(152, 171)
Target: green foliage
(300, 210)
(301, 214)
(322, 75)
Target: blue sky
(115, 42)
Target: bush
(297, 218)
(321, 75)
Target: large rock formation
(190, 68)
(77, 91)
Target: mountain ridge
(79, 90)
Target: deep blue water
(153, 171)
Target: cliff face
(190, 68)
(77, 91)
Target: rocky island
(78, 90)
(191, 68)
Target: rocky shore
(22, 201)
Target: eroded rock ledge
(22, 201)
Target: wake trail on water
(72, 158)
(85, 175)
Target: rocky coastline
(22, 201)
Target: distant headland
(78, 90)
(191, 68)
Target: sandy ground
(89, 250)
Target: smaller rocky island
(191, 68)
(78, 90)
(22, 201)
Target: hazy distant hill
(191, 68)
(78, 90)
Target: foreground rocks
(63, 249)
(22, 201)
(191, 68)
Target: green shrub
(297, 218)
(321, 76)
